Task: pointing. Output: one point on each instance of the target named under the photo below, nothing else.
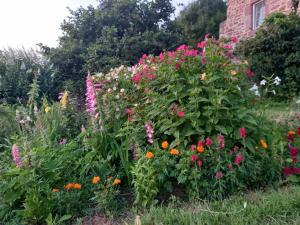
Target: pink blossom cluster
(91, 100)
(15, 152)
(149, 131)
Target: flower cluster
(149, 131)
(15, 151)
(91, 100)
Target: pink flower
(219, 175)
(136, 78)
(249, 73)
(228, 47)
(15, 152)
(243, 132)
(129, 111)
(221, 141)
(91, 100)
(234, 39)
(202, 44)
(203, 60)
(182, 48)
(229, 166)
(181, 114)
(193, 147)
(294, 152)
(194, 158)
(238, 159)
(199, 163)
(192, 53)
(143, 58)
(206, 36)
(171, 54)
(208, 142)
(161, 57)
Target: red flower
(291, 138)
(294, 152)
(201, 44)
(180, 114)
(136, 79)
(229, 166)
(287, 171)
(249, 73)
(219, 175)
(243, 132)
(234, 39)
(199, 163)
(208, 142)
(238, 159)
(296, 170)
(194, 158)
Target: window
(258, 14)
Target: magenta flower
(287, 171)
(182, 48)
(208, 142)
(149, 131)
(219, 175)
(221, 141)
(129, 111)
(171, 54)
(161, 57)
(229, 166)
(294, 152)
(177, 66)
(181, 114)
(199, 163)
(243, 132)
(136, 78)
(192, 53)
(193, 147)
(15, 152)
(234, 39)
(202, 44)
(91, 99)
(194, 158)
(238, 159)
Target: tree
(201, 17)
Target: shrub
(193, 100)
(275, 51)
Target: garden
(194, 135)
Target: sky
(24, 23)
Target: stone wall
(239, 16)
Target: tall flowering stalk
(149, 131)
(91, 100)
(15, 152)
(64, 100)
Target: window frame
(254, 13)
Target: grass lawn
(271, 207)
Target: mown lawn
(271, 207)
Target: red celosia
(208, 142)
(243, 132)
(238, 159)
(194, 158)
(199, 163)
(181, 114)
(219, 175)
(221, 141)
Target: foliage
(201, 17)
(17, 70)
(274, 51)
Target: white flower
(254, 88)
(109, 90)
(122, 90)
(277, 81)
(263, 82)
(114, 88)
(117, 109)
(117, 96)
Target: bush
(275, 51)
(192, 102)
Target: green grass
(272, 207)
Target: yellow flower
(96, 180)
(203, 76)
(165, 145)
(47, 109)
(233, 72)
(116, 182)
(149, 155)
(263, 143)
(174, 151)
(64, 100)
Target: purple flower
(149, 131)
(15, 152)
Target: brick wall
(239, 16)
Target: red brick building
(245, 16)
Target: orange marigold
(263, 143)
(116, 182)
(200, 149)
(96, 180)
(165, 145)
(174, 151)
(69, 186)
(149, 155)
(291, 132)
(55, 190)
(77, 186)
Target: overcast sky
(27, 22)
